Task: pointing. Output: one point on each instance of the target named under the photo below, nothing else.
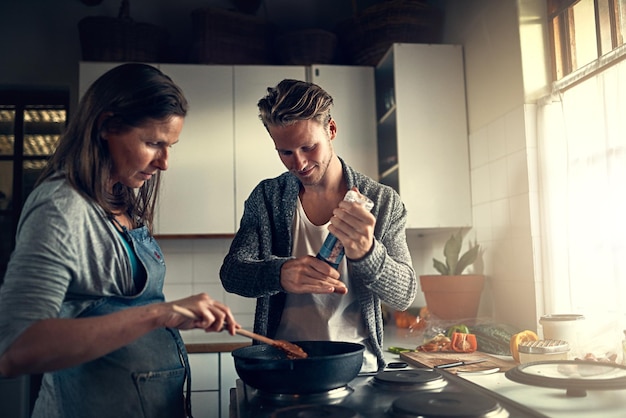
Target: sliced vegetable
(463, 342)
(398, 350)
(438, 343)
(518, 338)
(457, 328)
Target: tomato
(464, 342)
(518, 338)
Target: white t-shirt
(317, 317)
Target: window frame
(562, 35)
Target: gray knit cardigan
(264, 242)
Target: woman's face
(139, 152)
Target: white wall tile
(520, 215)
(514, 302)
(515, 130)
(176, 245)
(482, 221)
(517, 173)
(206, 269)
(501, 218)
(239, 304)
(481, 185)
(496, 138)
(179, 268)
(176, 291)
(216, 291)
(498, 179)
(479, 149)
(530, 122)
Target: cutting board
(422, 359)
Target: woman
(82, 298)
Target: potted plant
(452, 294)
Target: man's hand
(309, 275)
(353, 225)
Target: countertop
(551, 402)
(198, 341)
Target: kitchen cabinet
(422, 133)
(212, 376)
(225, 150)
(255, 156)
(197, 196)
(202, 178)
(354, 111)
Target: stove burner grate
(416, 379)
(446, 405)
(316, 411)
(324, 398)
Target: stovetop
(423, 393)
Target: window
(581, 31)
(31, 124)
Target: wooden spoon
(293, 351)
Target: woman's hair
(294, 100)
(132, 94)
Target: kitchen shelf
(389, 172)
(387, 114)
(422, 133)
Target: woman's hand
(210, 315)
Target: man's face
(305, 148)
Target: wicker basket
(367, 36)
(224, 37)
(105, 38)
(306, 47)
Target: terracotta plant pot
(452, 297)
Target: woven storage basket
(105, 38)
(367, 36)
(224, 37)
(306, 47)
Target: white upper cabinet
(422, 133)
(224, 150)
(256, 158)
(354, 110)
(197, 196)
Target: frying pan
(329, 365)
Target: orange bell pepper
(464, 343)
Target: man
(286, 219)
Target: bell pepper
(457, 328)
(463, 342)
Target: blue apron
(143, 379)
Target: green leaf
(467, 259)
(452, 249)
(440, 267)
